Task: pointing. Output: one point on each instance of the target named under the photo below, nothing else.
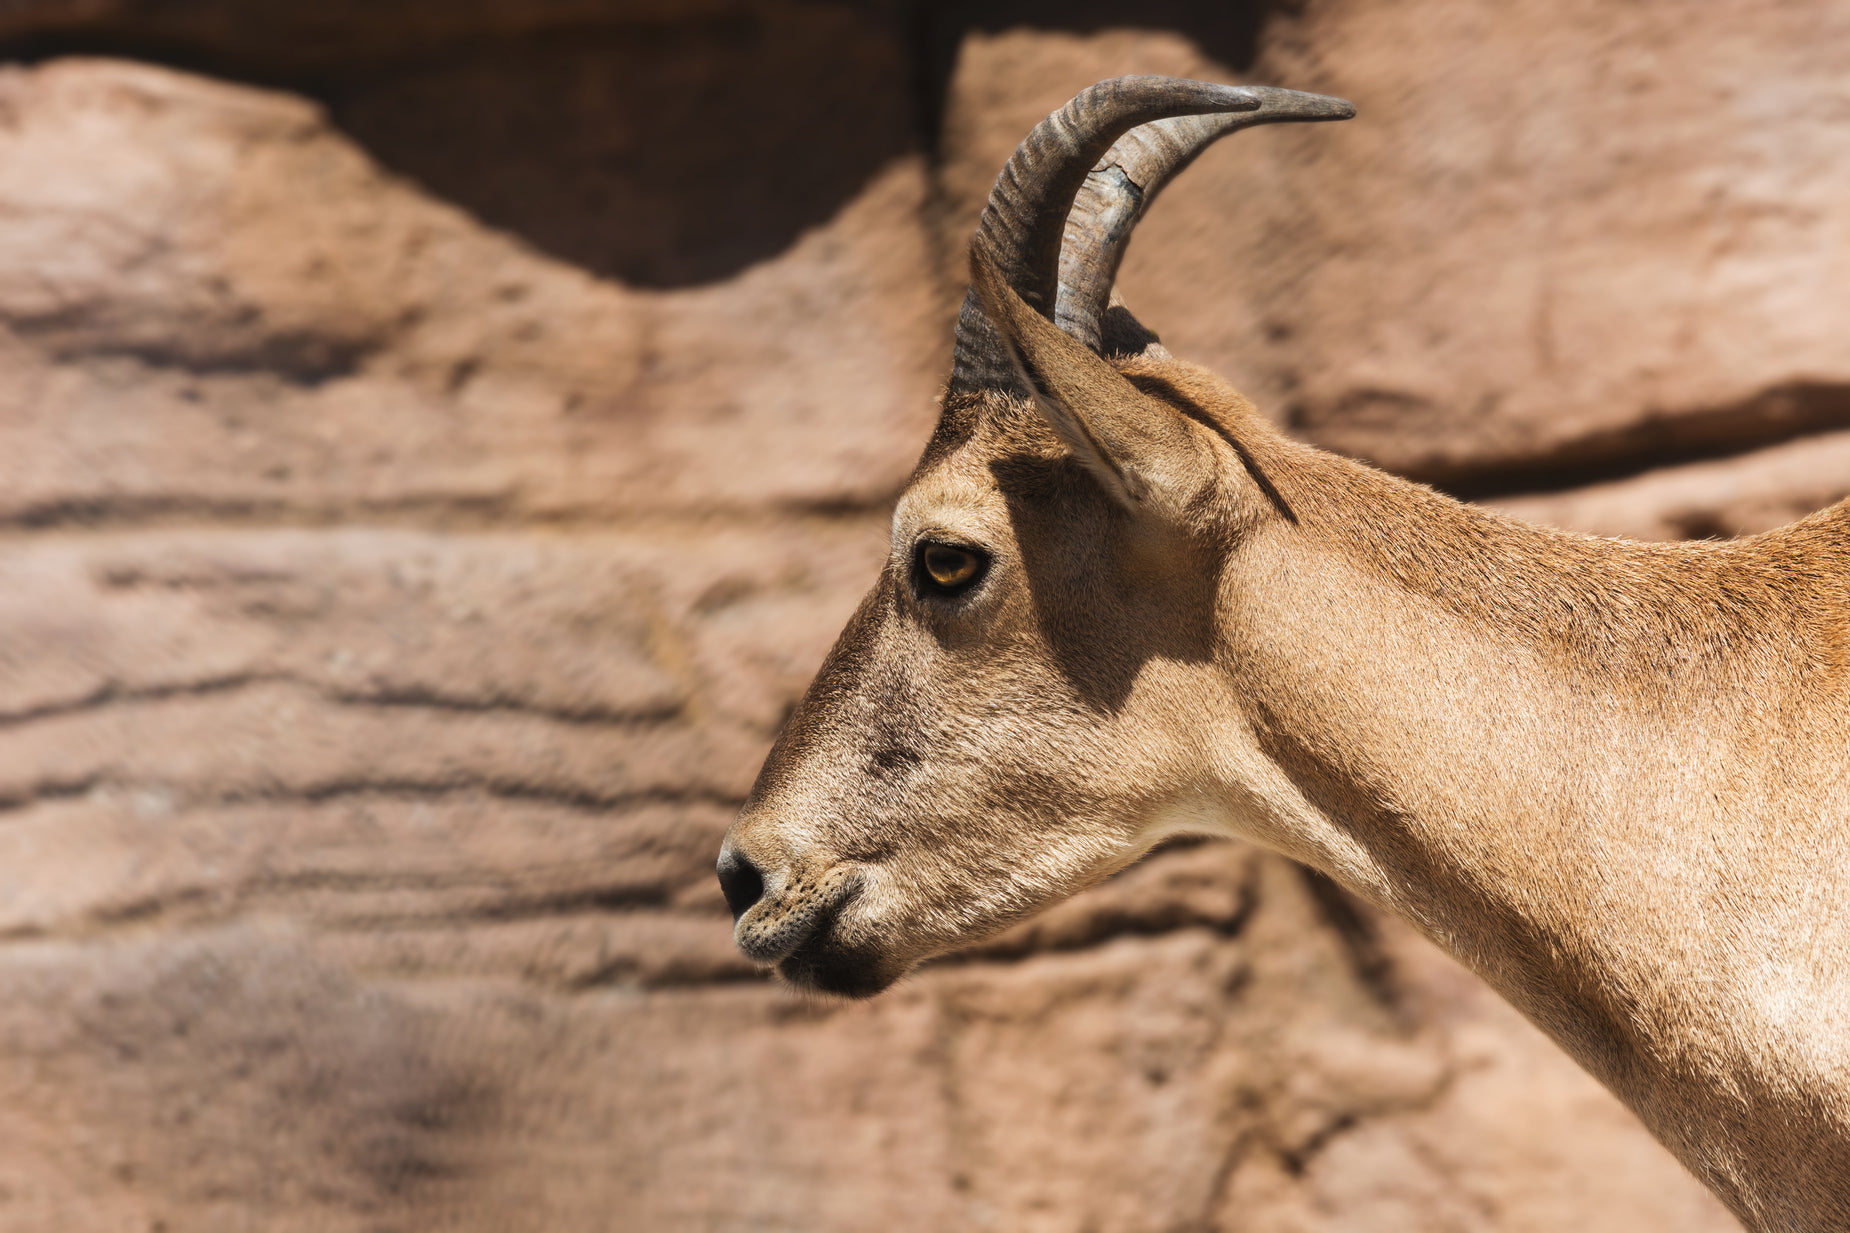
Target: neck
(1588, 768)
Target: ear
(1139, 448)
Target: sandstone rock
(244, 314)
(219, 1082)
(405, 731)
(612, 626)
(243, 1076)
(403, 578)
(1148, 1083)
(1553, 239)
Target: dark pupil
(949, 566)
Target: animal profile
(1120, 605)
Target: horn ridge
(1024, 221)
(1121, 187)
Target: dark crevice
(43, 792)
(1109, 927)
(149, 908)
(431, 700)
(662, 155)
(407, 698)
(112, 695)
(1297, 1160)
(447, 514)
(385, 787)
(587, 800)
(662, 152)
(195, 904)
(502, 910)
(1228, 33)
(1773, 416)
(147, 512)
(1360, 935)
(305, 359)
(841, 507)
(631, 972)
(928, 69)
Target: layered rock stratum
(438, 442)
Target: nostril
(739, 881)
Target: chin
(823, 965)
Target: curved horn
(1023, 223)
(1124, 183)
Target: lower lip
(819, 957)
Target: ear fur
(1130, 443)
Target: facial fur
(964, 760)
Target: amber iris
(950, 568)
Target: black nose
(739, 881)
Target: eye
(948, 569)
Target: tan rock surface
(398, 591)
(278, 327)
(1556, 238)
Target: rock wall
(438, 441)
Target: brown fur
(1612, 777)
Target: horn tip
(1300, 105)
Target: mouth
(824, 963)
